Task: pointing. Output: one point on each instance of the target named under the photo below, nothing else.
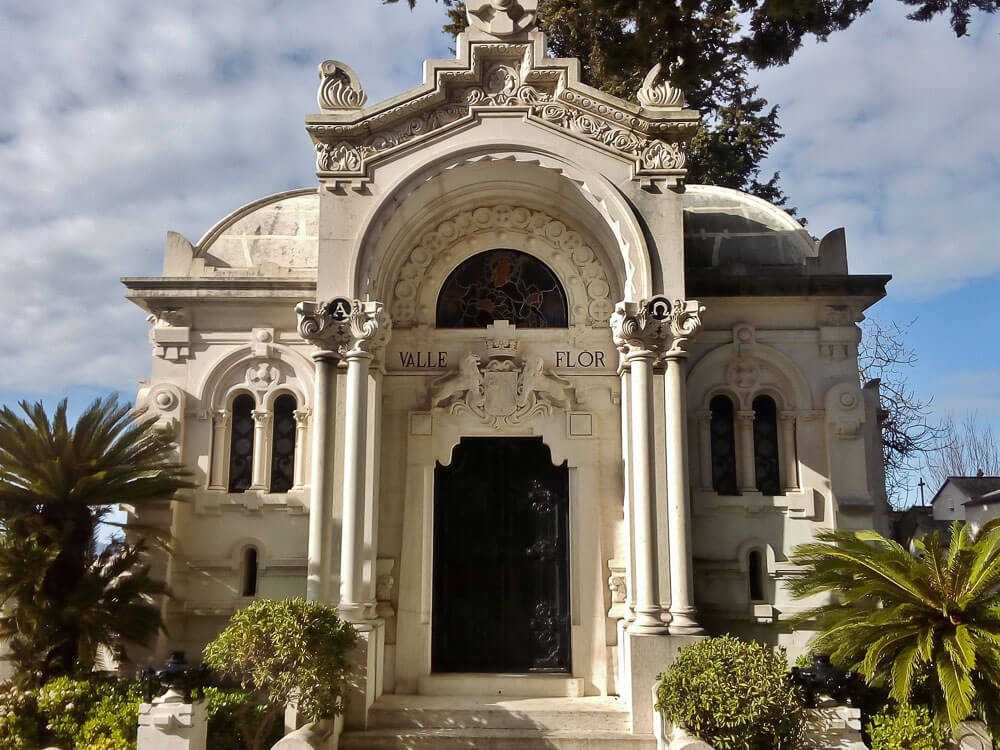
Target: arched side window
(283, 444)
(241, 444)
(250, 566)
(723, 436)
(765, 445)
(755, 572)
(502, 285)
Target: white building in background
(530, 410)
(975, 500)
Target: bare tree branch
(965, 449)
(908, 434)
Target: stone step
(492, 739)
(509, 685)
(593, 713)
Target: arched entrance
(501, 559)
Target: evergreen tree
(57, 483)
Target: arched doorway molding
(585, 202)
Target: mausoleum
(528, 408)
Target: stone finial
(339, 88)
(501, 18)
(656, 90)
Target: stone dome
(281, 229)
(725, 228)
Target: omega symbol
(658, 308)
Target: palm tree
(57, 483)
(900, 619)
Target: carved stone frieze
(521, 219)
(500, 74)
(364, 328)
(502, 389)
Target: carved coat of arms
(502, 390)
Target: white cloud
(891, 133)
(126, 119)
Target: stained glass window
(765, 445)
(283, 444)
(723, 437)
(502, 285)
(241, 444)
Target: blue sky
(124, 119)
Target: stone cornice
(711, 284)
(503, 76)
(150, 292)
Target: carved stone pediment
(501, 389)
(492, 75)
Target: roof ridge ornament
(501, 18)
(339, 88)
(657, 91)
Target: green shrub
(733, 694)
(20, 725)
(285, 651)
(90, 714)
(234, 717)
(906, 727)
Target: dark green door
(501, 559)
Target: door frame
(431, 439)
(552, 474)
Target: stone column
(678, 496)
(628, 512)
(787, 453)
(744, 451)
(355, 332)
(301, 425)
(220, 431)
(640, 337)
(261, 440)
(321, 491)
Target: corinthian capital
(347, 328)
(655, 326)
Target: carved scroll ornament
(502, 391)
(363, 329)
(655, 327)
(339, 87)
(501, 18)
(657, 91)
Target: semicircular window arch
(502, 285)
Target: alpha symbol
(658, 308)
(339, 309)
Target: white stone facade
(675, 296)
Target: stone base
(170, 725)
(367, 660)
(644, 657)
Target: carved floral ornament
(345, 327)
(504, 75)
(501, 18)
(435, 244)
(501, 389)
(657, 91)
(339, 87)
(655, 327)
